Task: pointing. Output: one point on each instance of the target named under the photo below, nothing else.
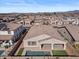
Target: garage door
(58, 46)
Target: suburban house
(26, 22)
(43, 37)
(76, 22)
(9, 33)
(38, 22)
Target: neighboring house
(74, 31)
(9, 32)
(8, 19)
(26, 22)
(68, 20)
(44, 37)
(38, 21)
(76, 22)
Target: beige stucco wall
(38, 46)
(6, 33)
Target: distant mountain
(75, 11)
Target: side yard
(20, 52)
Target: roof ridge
(45, 39)
(50, 38)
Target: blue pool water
(1, 51)
(37, 53)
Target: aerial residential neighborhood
(39, 34)
(39, 29)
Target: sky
(25, 6)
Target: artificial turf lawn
(77, 46)
(20, 52)
(59, 53)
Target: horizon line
(40, 11)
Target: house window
(32, 43)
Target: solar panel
(1, 51)
(3, 26)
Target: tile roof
(74, 31)
(37, 31)
(5, 37)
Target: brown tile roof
(43, 29)
(5, 37)
(13, 26)
(74, 31)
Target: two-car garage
(55, 46)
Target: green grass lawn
(59, 53)
(20, 52)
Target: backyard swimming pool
(1, 52)
(37, 53)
